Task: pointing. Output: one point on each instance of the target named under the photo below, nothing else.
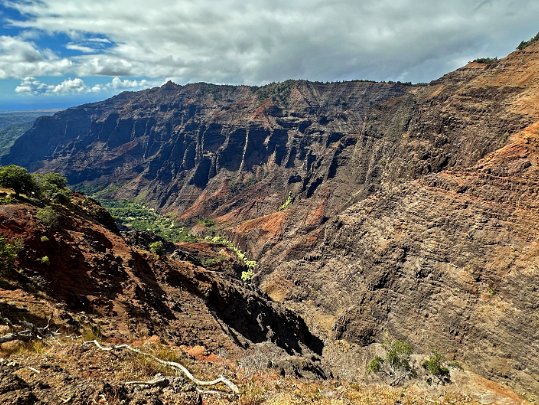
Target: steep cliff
(372, 207)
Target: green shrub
(157, 248)
(48, 217)
(435, 366)
(45, 260)
(375, 365)
(53, 187)
(287, 202)
(8, 253)
(396, 363)
(398, 354)
(246, 276)
(487, 61)
(525, 44)
(44, 239)
(17, 178)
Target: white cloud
(257, 41)
(20, 58)
(32, 86)
(81, 48)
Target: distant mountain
(13, 125)
(373, 208)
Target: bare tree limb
(158, 380)
(24, 335)
(177, 366)
(31, 332)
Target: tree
(396, 363)
(17, 178)
(53, 186)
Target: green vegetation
(276, 91)
(434, 365)
(287, 202)
(44, 239)
(53, 187)
(9, 135)
(246, 275)
(207, 222)
(375, 365)
(8, 253)
(396, 363)
(45, 260)
(398, 366)
(141, 218)
(18, 179)
(49, 187)
(525, 44)
(487, 61)
(212, 261)
(157, 248)
(48, 217)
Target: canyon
(372, 209)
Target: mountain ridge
(397, 195)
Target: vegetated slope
(13, 125)
(372, 207)
(83, 265)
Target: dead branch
(31, 332)
(172, 364)
(158, 380)
(24, 335)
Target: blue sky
(59, 53)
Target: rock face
(372, 207)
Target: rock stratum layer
(372, 208)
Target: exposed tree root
(172, 364)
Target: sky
(60, 53)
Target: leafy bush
(48, 217)
(525, 44)
(207, 222)
(53, 187)
(434, 365)
(287, 202)
(157, 248)
(8, 253)
(17, 178)
(375, 365)
(44, 239)
(45, 260)
(246, 276)
(396, 363)
(487, 61)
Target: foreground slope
(373, 208)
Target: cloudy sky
(55, 53)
